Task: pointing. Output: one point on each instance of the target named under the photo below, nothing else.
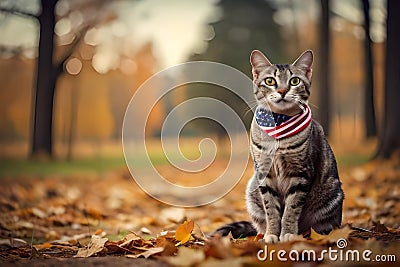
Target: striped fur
(296, 184)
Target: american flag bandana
(280, 126)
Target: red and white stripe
(292, 126)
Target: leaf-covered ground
(107, 220)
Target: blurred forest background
(68, 68)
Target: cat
(296, 185)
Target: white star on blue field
(267, 118)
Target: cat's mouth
(282, 100)
(284, 106)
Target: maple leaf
(184, 232)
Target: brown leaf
(167, 234)
(169, 247)
(147, 253)
(247, 247)
(13, 242)
(129, 239)
(218, 247)
(134, 240)
(131, 243)
(184, 232)
(379, 227)
(95, 245)
(43, 246)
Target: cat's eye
(294, 81)
(270, 81)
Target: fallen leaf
(258, 237)
(38, 213)
(145, 230)
(184, 232)
(186, 257)
(94, 213)
(43, 246)
(218, 247)
(147, 253)
(95, 245)
(133, 239)
(98, 232)
(169, 246)
(13, 242)
(379, 227)
(52, 235)
(315, 236)
(167, 234)
(175, 215)
(332, 237)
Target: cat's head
(282, 87)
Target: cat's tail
(237, 229)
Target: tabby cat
(296, 184)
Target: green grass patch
(49, 167)
(15, 168)
(352, 160)
(98, 165)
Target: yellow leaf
(315, 236)
(184, 231)
(342, 233)
(333, 236)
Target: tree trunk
(73, 119)
(324, 114)
(369, 109)
(46, 77)
(389, 137)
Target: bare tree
(46, 77)
(324, 114)
(369, 108)
(49, 68)
(389, 137)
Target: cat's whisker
(315, 106)
(300, 103)
(249, 108)
(247, 112)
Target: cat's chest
(284, 170)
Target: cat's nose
(282, 92)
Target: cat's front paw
(271, 238)
(287, 237)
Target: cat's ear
(305, 62)
(258, 61)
